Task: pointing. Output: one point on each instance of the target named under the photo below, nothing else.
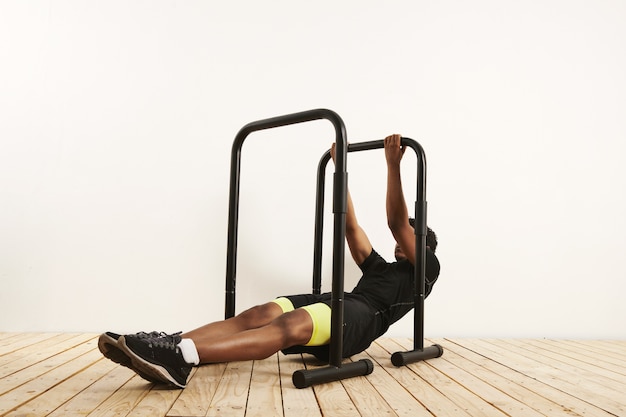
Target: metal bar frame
(335, 370)
(419, 352)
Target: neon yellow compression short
(320, 314)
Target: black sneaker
(160, 357)
(108, 345)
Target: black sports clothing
(383, 295)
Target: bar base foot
(404, 358)
(305, 378)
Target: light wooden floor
(65, 375)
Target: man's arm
(397, 213)
(358, 242)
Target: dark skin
(263, 330)
(397, 213)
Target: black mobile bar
(419, 352)
(335, 370)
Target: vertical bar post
(319, 223)
(335, 370)
(235, 177)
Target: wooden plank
(14, 337)
(20, 341)
(63, 392)
(232, 392)
(124, 399)
(509, 382)
(586, 353)
(296, 402)
(398, 398)
(615, 350)
(87, 400)
(542, 397)
(33, 349)
(64, 374)
(473, 394)
(331, 397)
(588, 383)
(368, 401)
(423, 390)
(334, 401)
(45, 381)
(60, 356)
(156, 402)
(583, 360)
(195, 399)
(33, 354)
(264, 396)
(547, 374)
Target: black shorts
(360, 327)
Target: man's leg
(289, 329)
(262, 331)
(252, 318)
(162, 358)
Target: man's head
(431, 237)
(431, 241)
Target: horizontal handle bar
(293, 118)
(378, 144)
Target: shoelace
(166, 341)
(144, 335)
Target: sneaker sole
(110, 349)
(149, 368)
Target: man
(299, 323)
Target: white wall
(117, 117)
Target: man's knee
(260, 315)
(295, 326)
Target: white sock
(189, 351)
